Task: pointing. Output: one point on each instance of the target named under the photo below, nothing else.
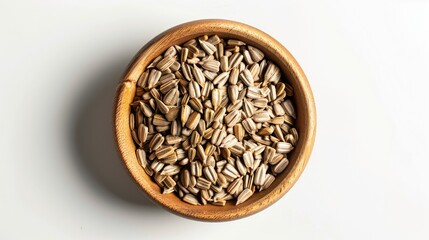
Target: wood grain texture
(274, 51)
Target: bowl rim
(190, 30)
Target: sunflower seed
(212, 66)
(288, 107)
(194, 90)
(230, 171)
(235, 185)
(141, 157)
(172, 113)
(261, 117)
(224, 64)
(235, 60)
(244, 195)
(193, 120)
(260, 175)
(159, 120)
(196, 105)
(196, 169)
(272, 74)
(247, 58)
(248, 108)
(280, 167)
(203, 183)
(232, 118)
(191, 199)
(142, 133)
(157, 166)
(163, 152)
(233, 77)
(249, 125)
(154, 62)
(161, 106)
(240, 167)
(248, 159)
(266, 131)
(165, 63)
(229, 141)
(256, 54)
(269, 179)
(247, 78)
(198, 74)
(170, 170)
(193, 50)
(210, 174)
(283, 147)
(208, 47)
(153, 78)
(221, 78)
(173, 139)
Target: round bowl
(274, 51)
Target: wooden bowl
(274, 51)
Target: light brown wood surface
(274, 51)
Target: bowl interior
(292, 73)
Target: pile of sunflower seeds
(213, 121)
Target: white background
(368, 65)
